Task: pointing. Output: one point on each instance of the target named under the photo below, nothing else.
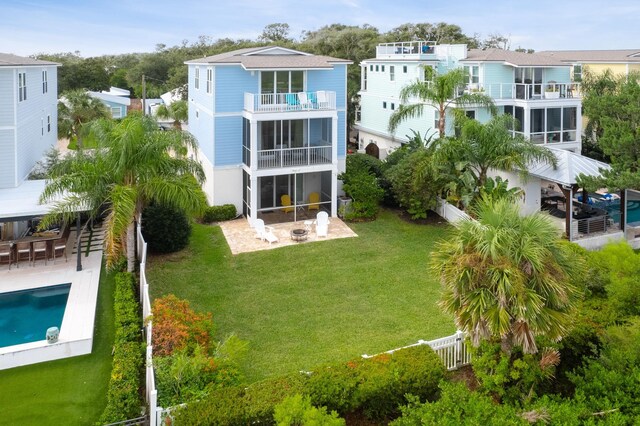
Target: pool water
(633, 211)
(26, 315)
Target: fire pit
(299, 234)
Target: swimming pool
(26, 315)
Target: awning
(22, 202)
(570, 166)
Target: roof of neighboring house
(116, 91)
(518, 59)
(570, 165)
(271, 57)
(111, 98)
(606, 56)
(9, 60)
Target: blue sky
(96, 27)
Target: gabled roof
(110, 98)
(9, 60)
(509, 57)
(271, 57)
(606, 56)
(570, 165)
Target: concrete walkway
(242, 238)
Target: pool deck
(76, 331)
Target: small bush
(219, 213)
(297, 410)
(366, 193)
(165, 229)
(176, 326)
(378, 385)
(458, 406)
(241, 405)
(123, 397)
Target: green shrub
(297, 410)
(458, 406)
(358, 163)
(377, 386)
(241, 405)
(366, 193)
(165, 229)
(123, 396)
(219, 213)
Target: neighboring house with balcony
(269, 121)
(536, 89)
(28, 128)
(620, 62)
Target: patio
(241, 237)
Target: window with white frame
(45, 82)
(22, 86)
(48, 123)
(209, 80)
(382, 68)
(377, 68)
(436, 121)
(473, 73)
(392, 73)
(384, 105)
(577, 72)
(116, 112)
(196, 79)
(393, 106)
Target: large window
(281, 82)
(577, 72)
(281, 134)
(196, 82)
(209, 80)
(553, 125)
(528, 83)
(45, 83)
(22, 86)
(392, 73)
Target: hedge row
(123, 397)
(219, 213)
(376, 386)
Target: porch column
(526, 125)
(253, 200)
(579, 123)
(568, 196)
(334, 161)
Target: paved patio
(241, 237)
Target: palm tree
(442, 93)
(508, 277)
(76, 109)
(135, 164)
(178, 111)
(494, 146)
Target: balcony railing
(290, 102)
(405, 49)
(527, 91)
(292, 157)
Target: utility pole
(144, 96)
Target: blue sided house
(116, 100)
(271, 128)
(537, 89)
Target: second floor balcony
(290, 102)
(541, 91)
(408, 49)
(290, 157)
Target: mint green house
(536, 89)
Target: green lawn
(302, 305)
(70, 391)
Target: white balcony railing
(405, 49)
(545, 91)
(290, 102)
(291, 157)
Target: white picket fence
(451, 349)
(151, 393)
(449, 212)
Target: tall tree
(135, 164)
(441, 33)
(493, 145)
(508, 277)
(276, 33)
(77, 109)
(443, 93)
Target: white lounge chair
(323, 100)
(322, 224)
(263, 232)
(305, 103)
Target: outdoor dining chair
(39, 248)
(23, 248)
(6, 250)
(59, 248)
